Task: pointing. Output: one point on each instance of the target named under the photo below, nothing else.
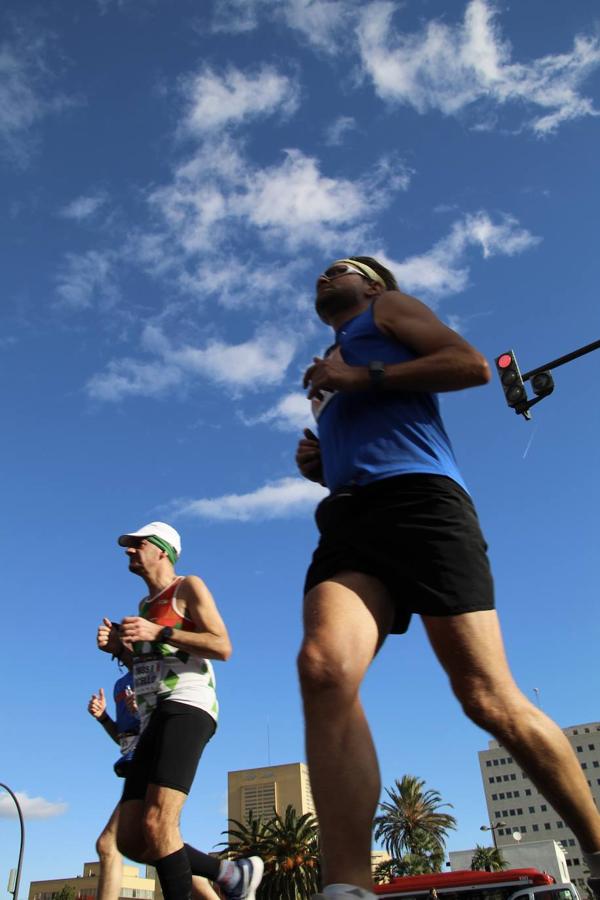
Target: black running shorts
(417, 534)
(169, 749)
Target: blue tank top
(370, 435)
(128, 725)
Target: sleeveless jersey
(366, 436)
(162, 672)
(128, 725)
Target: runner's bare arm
(444, 362)
(97, 709)
(211, 639)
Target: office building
(515, 806)
(269, 789)
(85, 886)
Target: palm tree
(488, 859)
(293, 857)
(244, 838)
(411, 827)
(289, 846)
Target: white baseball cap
(154, 529)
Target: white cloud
(443, 269)
(131, 378)
(276, 500)
(339, 128)
(258, 362)
(216, 101)
(83, 207)
(450, 67)
(85, 279)
(31, 807)
(25, 98)
(291, 413)
(218, 199)
(325, 24)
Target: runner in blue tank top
(399, 535)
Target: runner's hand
(107, 638)
(333, 374)
(97, 704)
(134, 628)
(130, 701)
(308, 457)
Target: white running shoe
(251, 873)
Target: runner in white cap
(170, 645)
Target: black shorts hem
(418, 535)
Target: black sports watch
(165, 634)
(376, 373)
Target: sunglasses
(339, 269)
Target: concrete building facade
(133, 887)
(269, 789)
(516, 806)
(547, 856)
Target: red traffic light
(504, 361)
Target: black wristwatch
(165, 635)
(376, 373)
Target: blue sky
(175, 175)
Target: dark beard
(331, 302)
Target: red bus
(511, 884)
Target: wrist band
(102, 719)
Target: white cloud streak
(276, 500)
(216, 101)
(83, 207)
(258, 362)
(87, 279)
(31, 807)
(451, 67)
(25, 98)
(443, 270)
(290, 413)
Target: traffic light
(542, 384)
(512, 382)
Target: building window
(547, 826)
(519, 812)
(498, 814)
(560, 824)
(496, 762)
(591, 747)
(579, 749)
(513, 777)
(575, 731)
(584, 765)
(512, 812)
(509, 759)
(502, 762)
(491, 780)
(531, 809)
(543, 807)
(595, 764)
(517, 794)
(576, 861)
(571, 842)
(498, 777)
(488, 762)
(535, 827)
(528, 792)
(494, 796)
(509, 794)
(523, 828)
(501, 796)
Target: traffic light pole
(562, 360)
(540, 377)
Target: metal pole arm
(22, 845)
(555, 363)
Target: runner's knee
(106, 846)
(320, 670)
(492, 709)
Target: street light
(15, 889)
(492, 828)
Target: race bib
(146, 675)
